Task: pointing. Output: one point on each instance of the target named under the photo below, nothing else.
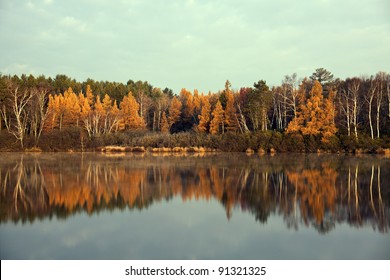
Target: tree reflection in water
(307, 190)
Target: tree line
(319, 108)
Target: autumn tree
(231, 123)
(197, 102)
(59, 110)
(174, 111)
(186, 99)
(328, 128)
(89, 96)
(315, 115)
(70, 108)
(110, 114)
(51, 111)
(99, 114)
(114, 118)
(217, 122)
(164, 126)
(129, 111)
(204, 117)
(142, 92)
(86, 116)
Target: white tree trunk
(19, 102)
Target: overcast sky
(195, 43)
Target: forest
(319, 113)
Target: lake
(213, 206)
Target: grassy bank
(75, 139)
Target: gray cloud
(195, 43)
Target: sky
(194, 43)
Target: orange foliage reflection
(318, 195)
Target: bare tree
(279, 108)
(380, 80)
(242, 120)
(355, 103)
(369, 99)
(19, 101)
(345, 106)
(290, 96)
(5, 116)
(350, 104)
(38, 112)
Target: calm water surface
(227, 206)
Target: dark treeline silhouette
(316, 113)
(317, 191)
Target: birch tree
(369, 100)
(19, 102)
(38, 113)
(380, 80)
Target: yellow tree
(98, 115)
(107, 110)
(231, 123)
(114, 118)
(174, 111)
(186, 99)
(218, 119)
(204, 117)
(89, 95)
(60, 108)
(299, 114)
(51, 119)
(329, 128)
(71, 107)
(164, 126)
(129, 111)
(197, 101)
(85, 114)
(315, 115)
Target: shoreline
(116, 150)
(268, 142)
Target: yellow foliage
(129, 111)
(174, 111)
(315, 115)
(164, 126)
(204, 117)
(218, 119)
